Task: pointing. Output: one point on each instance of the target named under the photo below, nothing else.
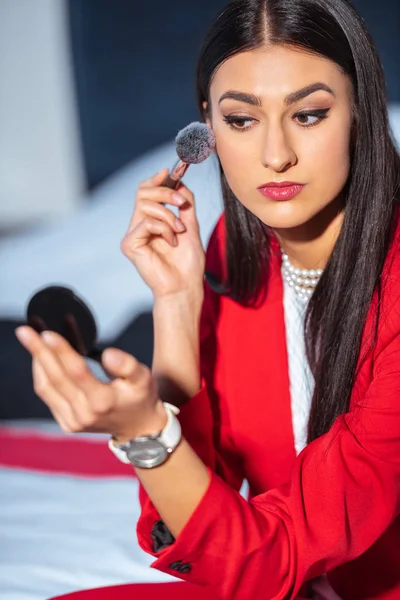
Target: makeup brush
(194, 144)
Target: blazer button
(185, 568)
(180, 567)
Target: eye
(238, 123)
(311, 117)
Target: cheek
(238, 156)
(329, 156)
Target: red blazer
(333, 509)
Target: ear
(206, 114)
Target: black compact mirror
(59, 309)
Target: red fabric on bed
(22, 448)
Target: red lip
(280, 184)
(284, 190)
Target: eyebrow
(290, 99)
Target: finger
(59, 407)
(74, 366)
(160, 195)
(39, 349)
(159, 212)
(123, 365)
(137, 240)
(133, 381)
(187, 213)
(155, 180)
(156, 195)
(92, 398)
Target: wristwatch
(149, 451)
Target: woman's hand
(125, 407)
(166, 251)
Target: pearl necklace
(303, 281)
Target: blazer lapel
(255, 374)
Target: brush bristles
(195, 143)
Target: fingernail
(22, 334)
(49, 338)
(179, 225)
(178, 198)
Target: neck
(310, 245)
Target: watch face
(147, 453)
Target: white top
(301, 390)
(300, 376)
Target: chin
(283, 216)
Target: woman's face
(282, 115)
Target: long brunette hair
(337, 310)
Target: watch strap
(169, 437)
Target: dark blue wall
(383, 20)
(134, 65)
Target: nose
(278, 152)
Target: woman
(294, 92)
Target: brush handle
(174, 177)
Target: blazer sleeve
(199, 416)
(343, 494)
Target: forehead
(274, 72)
